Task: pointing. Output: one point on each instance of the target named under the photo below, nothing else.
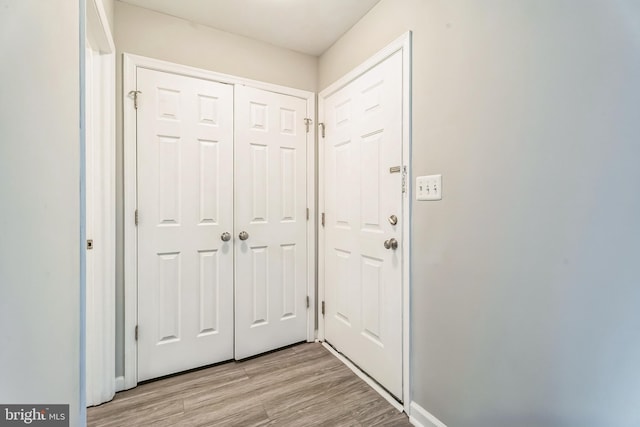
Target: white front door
(185, 204)
(270, 207)
(362, 190)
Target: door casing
(100, 80)
(403, 44)
(130, 65)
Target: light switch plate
(429, 187)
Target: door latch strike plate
(404, 179)
(90, 244)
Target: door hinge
(307, 214)
(307, 301)
(135, 217)
(323, 308)
(134, 94)
(322, 219)
(321, 125)
(135, 333)
(307, 123)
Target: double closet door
(222, 241)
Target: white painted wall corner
(420, 417)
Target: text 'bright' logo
(39, 415)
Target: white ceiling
(308, 26)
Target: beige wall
(391, 19)
(525, 276)
(109, 9)
(143, 32)
(40, 199)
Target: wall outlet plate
(429, 187)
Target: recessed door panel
(208, 109)
(259, 182)
(289, 279)
(372, 281)
(209, 181)
(209, 292)
(370, 167)
(289, 183)
(168, 186)
(168, 297)
(343, 286)
(342, 157)
(259, 286)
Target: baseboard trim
(420, 417)
(382, 392)
(119, 383)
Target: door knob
(393, 220)
(391, 244)
(225, 237)
(243, 235)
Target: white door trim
(403, 43)
(130, 64)
(100, 140)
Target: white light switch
(429, 187)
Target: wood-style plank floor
(303, 385)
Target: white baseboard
(420, 417)
(119, 384)
(382, 392)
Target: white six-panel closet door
(270, 211)
(185, 204)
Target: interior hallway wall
(525, 276)
(40, 204)
(143, 32)
(109, 9)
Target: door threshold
(366, 378)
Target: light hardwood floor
(303, 385)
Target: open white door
(363, 193)
(270, 209)
(185, 204)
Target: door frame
(99, 163)
(129, 83)
(403, 44)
